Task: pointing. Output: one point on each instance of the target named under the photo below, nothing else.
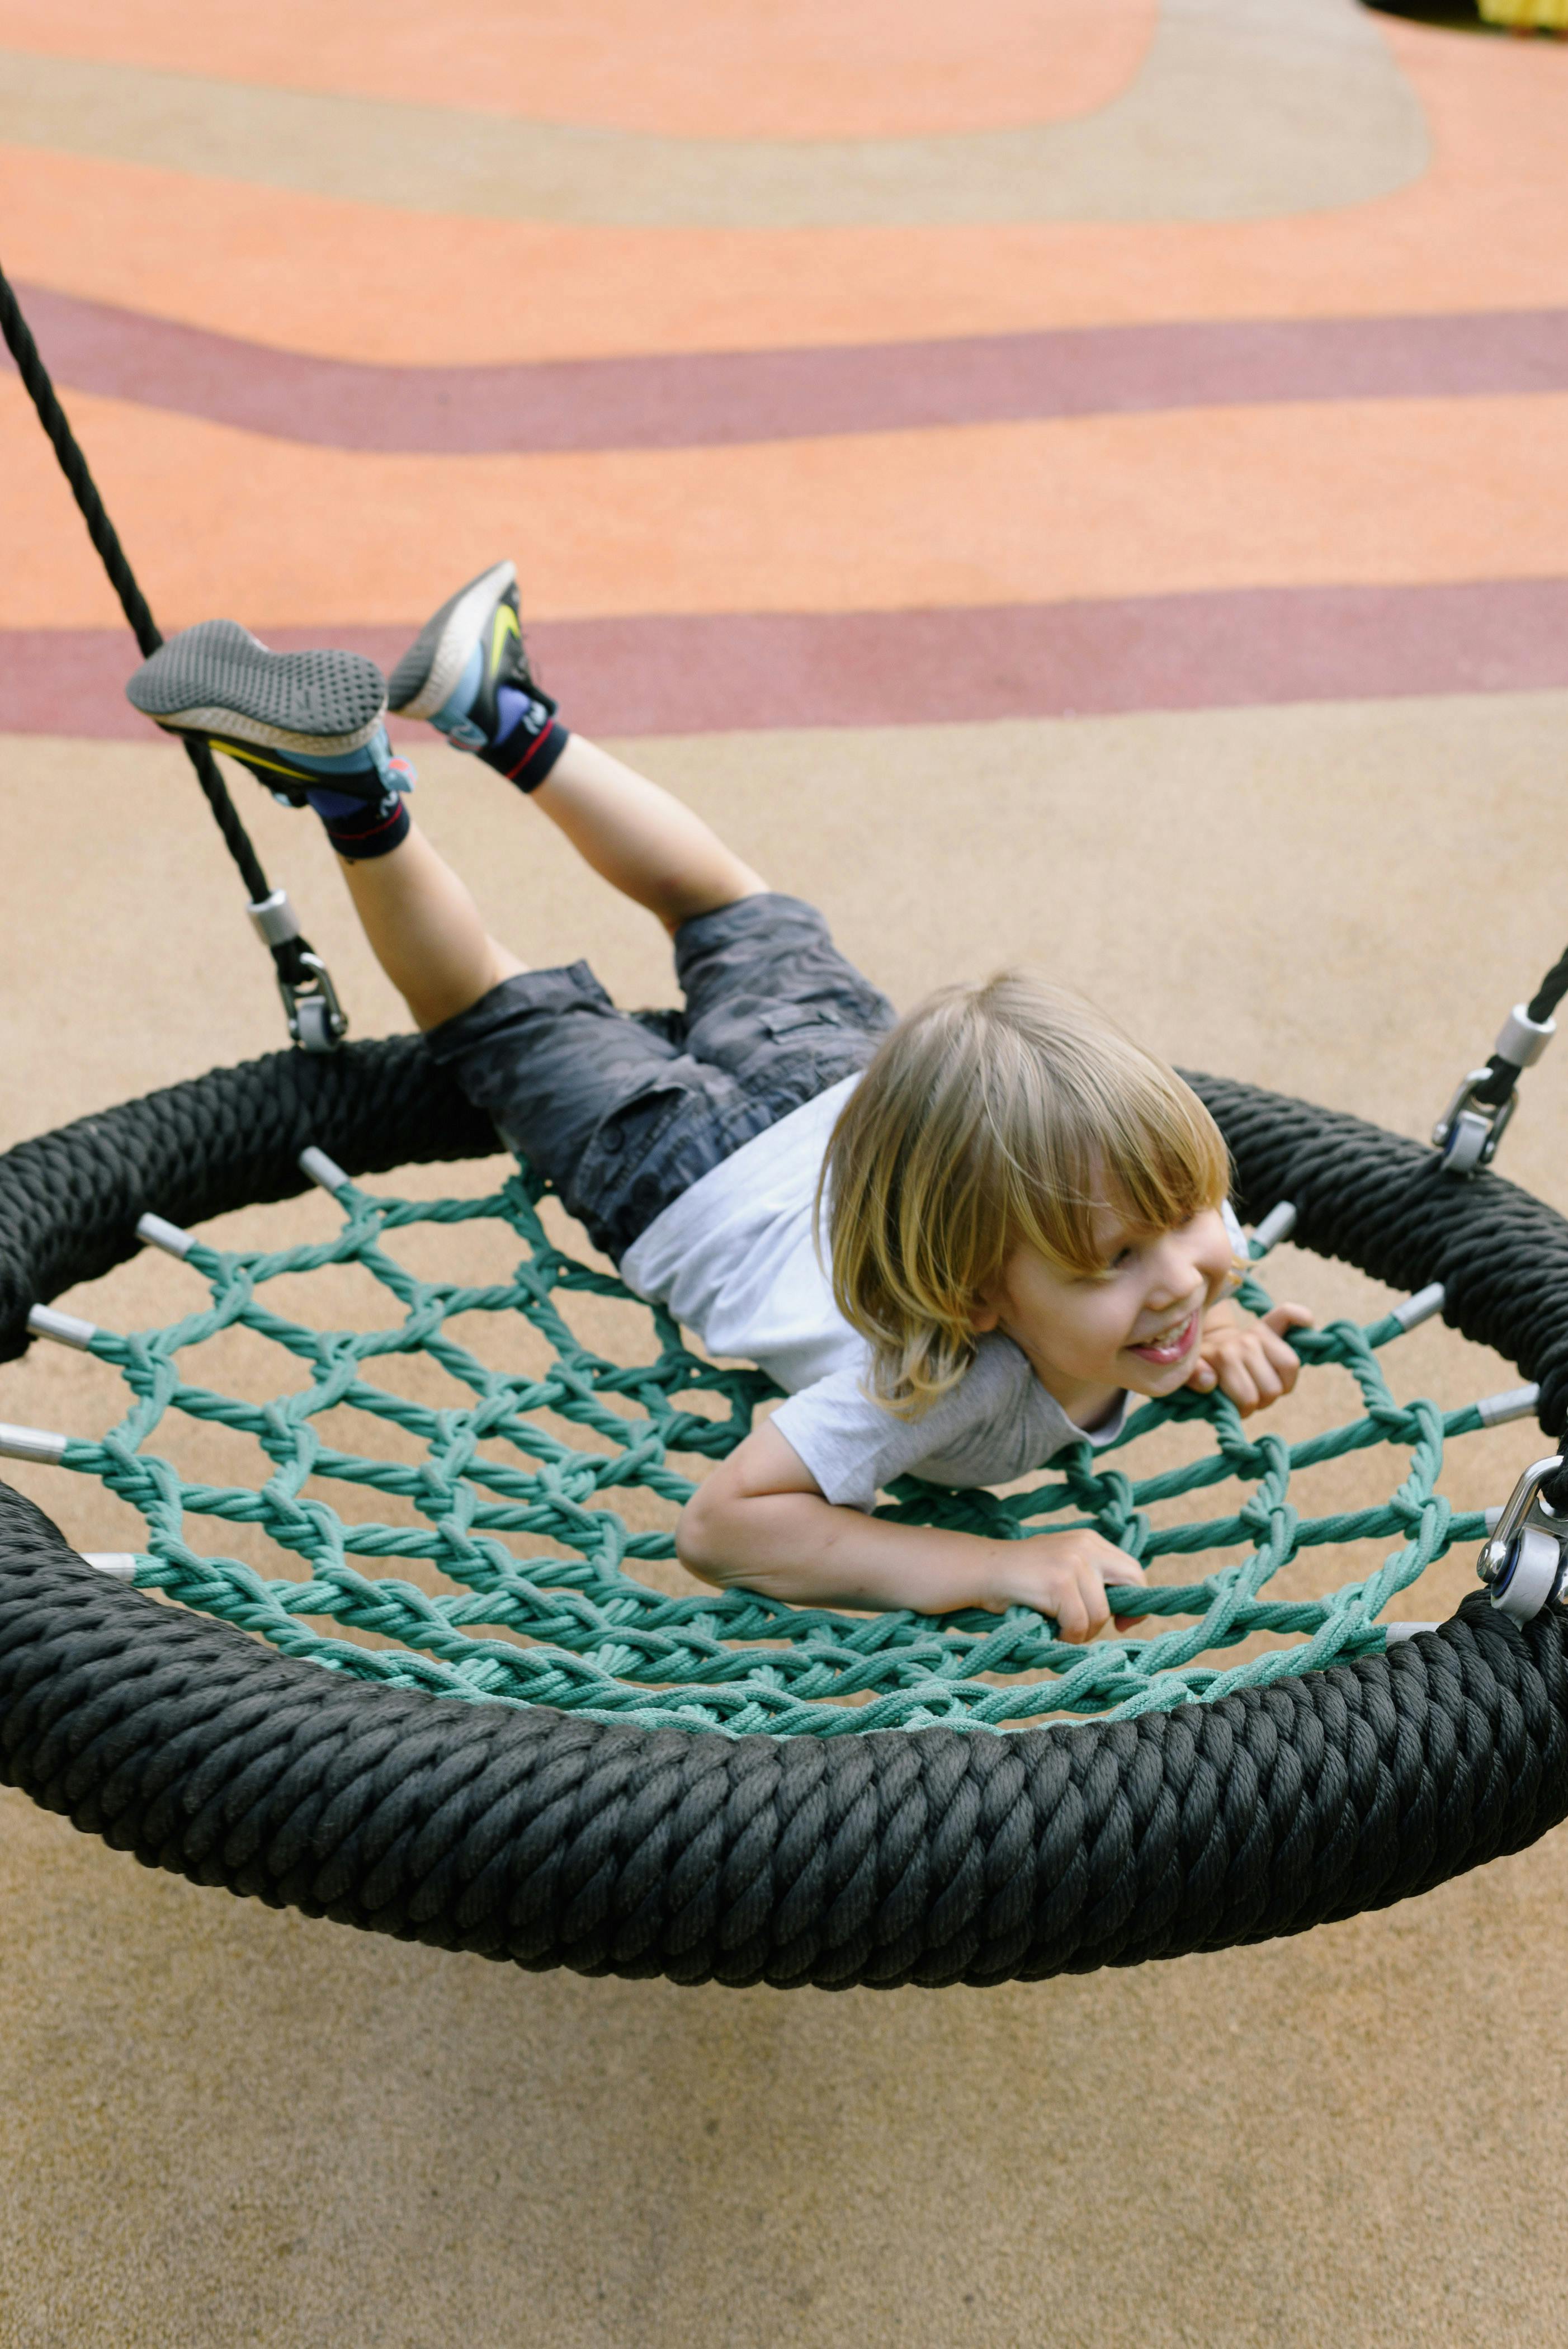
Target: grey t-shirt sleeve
(996, 1423)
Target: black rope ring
(930, 1855)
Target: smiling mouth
(1170, 1348)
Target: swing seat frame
(924, 1856)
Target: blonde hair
(994, 1117)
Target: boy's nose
(1179, 1270)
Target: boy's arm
(761, 1520)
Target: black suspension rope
(1502, 1075)
(288, 954)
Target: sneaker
(466, 673)
(296, 719)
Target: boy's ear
(985, 1310)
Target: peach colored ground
(798, 69)
(225, 2126)
(1383, 492)
(1479, 230)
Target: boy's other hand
(1064, 1575)
(1251, 1362)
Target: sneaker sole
(218, 680)
(429, 671)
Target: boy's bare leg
(426, 930)
(467, 674)
(642, 839)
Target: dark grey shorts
(624, 1111)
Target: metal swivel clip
(317, 1020)
(1523, 1560)
(1470, 1129)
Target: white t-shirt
(734, 1258)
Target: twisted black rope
(927, 1857)
(289, 953)
(1503, 1074)
(922, 1856)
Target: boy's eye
(1121, 1260)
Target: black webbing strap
(290, 954)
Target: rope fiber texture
(926, 1854)
(925, 1857)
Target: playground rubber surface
(1029, 549)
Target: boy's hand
(1249, 1361)
(1064, 1575)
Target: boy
(1027, 1214)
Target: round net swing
(547, 1758)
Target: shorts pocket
(631, 1130)
(793, 1017)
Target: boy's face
(1135, 1323)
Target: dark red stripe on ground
(740, 671)
(705, 399)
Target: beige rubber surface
(225, 2126)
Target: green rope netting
(582, 1631)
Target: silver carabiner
(1467, 1133)
(1524, 1558)
(317, 1020)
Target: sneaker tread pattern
(218, 675)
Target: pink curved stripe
(745, 671)
(708, 398)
